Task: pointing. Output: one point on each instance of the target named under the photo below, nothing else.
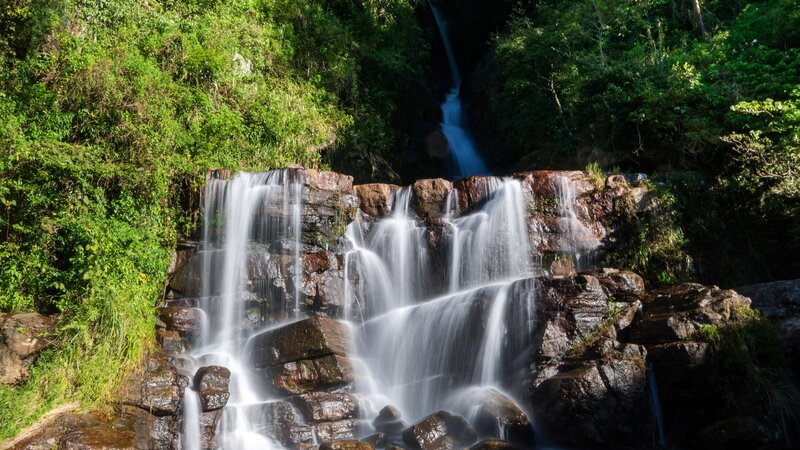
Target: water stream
(435, 325)
(464, 157)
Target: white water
(431, 326)
(464, 157)
(436, 327)
(576, 239)
(241, 218)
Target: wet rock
(301, 340)
(376, 199)
(387, 414)
(377, 440)
(495, 444)
(429, 197)
(441, 430)
(330, 289)
(318, 261)
(90, 431)
(581, 298)
(154, 432)
(211, 384)
(208, 429)
(185, 321)
(498, 415)
(562, 267)
(346, 445)
(328, 206)
(170, 342)
(299, 377)
(677, 313)
(474, 191)
(326, 406)
(158, 389)
(602, 402)
(736, 432)
(22, 337)
(337, 430)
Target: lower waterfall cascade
(437, 329)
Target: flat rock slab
(309, 338)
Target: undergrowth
(112, 111)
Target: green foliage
(596, 172)
(653, 243)
(636, 84)
(112, 111)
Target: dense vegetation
(651, 85)
(111, 111)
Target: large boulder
(309, 338)
(430, 197)
(326, 406)
(376, 200)
(22, 338)
(185, 321)
(211, 384)
(158, 389)
(597, 402)
(497, 415)
(679, 312)
(440, 431)
(298, 377)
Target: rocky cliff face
(600, 340)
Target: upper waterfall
(464, 157)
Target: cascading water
(576, 239)
(435, 328)
(464, 159)
(423, 350)
(242, 218)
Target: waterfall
(576, 239)
(432, 325)
(464, 157)
(242, 218)
(422, 347)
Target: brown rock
(158, 389)
(441, 430)
(345, 429)
(329, 181)
(346, 445)
(473, 192)
(299, 377)
(301, 340)
(186, 321)
(376, 199)
(211, 384)
(22, 337)
(498, 415)
(170, 342)
(677, 313)
(326, 406)
(429, 197)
